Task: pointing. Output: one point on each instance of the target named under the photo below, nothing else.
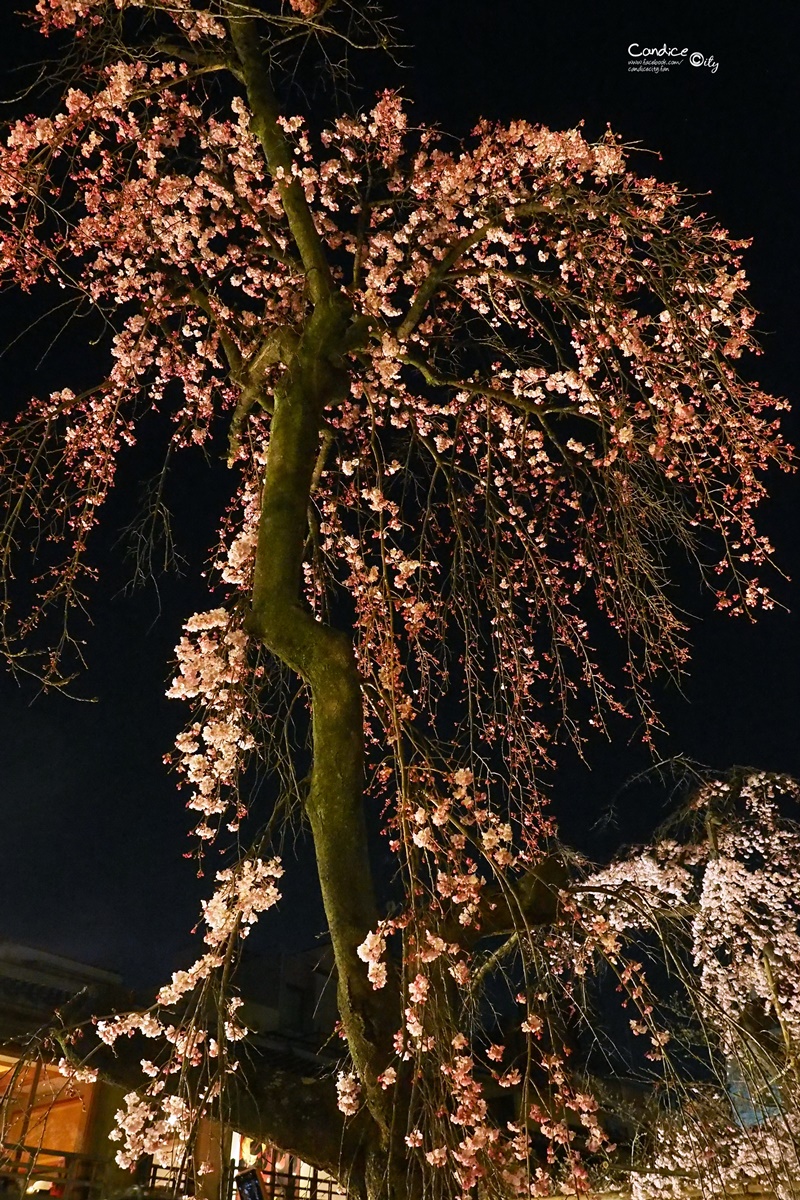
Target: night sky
(93, 829)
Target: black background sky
(92, 829)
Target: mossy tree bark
(314, 378)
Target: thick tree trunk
(300, 1115)
(324, 659)
(280, 619)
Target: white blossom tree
(474, 399)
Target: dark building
(54, 1130)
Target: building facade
(54, 1131)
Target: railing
(282, 1185)
(306, 1184)
(169, 1180)
(30, 1169)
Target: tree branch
(278, 346)
(264, 106)
(438, 272)
(503, 395)
(298, 1113)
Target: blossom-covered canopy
(477, 401)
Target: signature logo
(660, 59)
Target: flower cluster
(348, 1091)
(212, 667)
(158, 1128)
(76, 1074)
(246, 892)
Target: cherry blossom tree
(476, 402)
